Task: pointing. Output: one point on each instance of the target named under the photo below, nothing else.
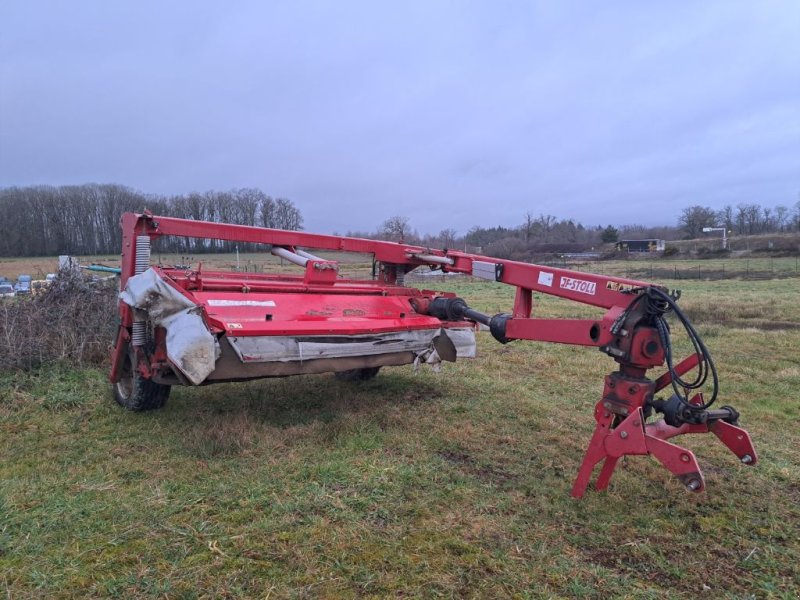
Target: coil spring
(139, 333)
(139, 329)
(142, 254)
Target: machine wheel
(357, 374)
(136, 393)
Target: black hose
(660, 303)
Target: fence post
(698, 271)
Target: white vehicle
(23, 285)
(7, 290)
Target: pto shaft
(455, 309)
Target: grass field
(411, 485)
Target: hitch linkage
(677, 412)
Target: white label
(578, 285)
(241, 303)
(546, 278)
(484, 270)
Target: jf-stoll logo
(578, 285)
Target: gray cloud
(451, 113)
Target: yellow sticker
(619, 287)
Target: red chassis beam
(624, 332)
(586, 288)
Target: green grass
(419, 485)
(684, 269)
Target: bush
(704, 252)
(71, 322)
(510, 248)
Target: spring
(142, 254)
(139, 329)
(139, 333)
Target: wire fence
(709, 269)
(746, 269)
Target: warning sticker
(545, 278)
(619, 287)
(578, 285)
(241, 303)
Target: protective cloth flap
(190, 346)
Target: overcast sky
(451, 113)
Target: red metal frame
(620, 414)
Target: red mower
(196, 327)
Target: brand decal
(234, 325)
(578, 285)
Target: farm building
(652, 245)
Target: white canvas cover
(190, 345)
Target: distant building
(641, 245)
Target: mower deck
(278, 325)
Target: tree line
(537, 234)
(84, 219)
(744, 219)
(546, 234)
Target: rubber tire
(136, 393)
(357, 374)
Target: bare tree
(750, 219)
(768, 222)
(267, 212)
(797, 215)
(447, 238)
(694, 218)
(395, 227)
(287, 216)
(725, 217)
(781, 217)
(528, 226)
